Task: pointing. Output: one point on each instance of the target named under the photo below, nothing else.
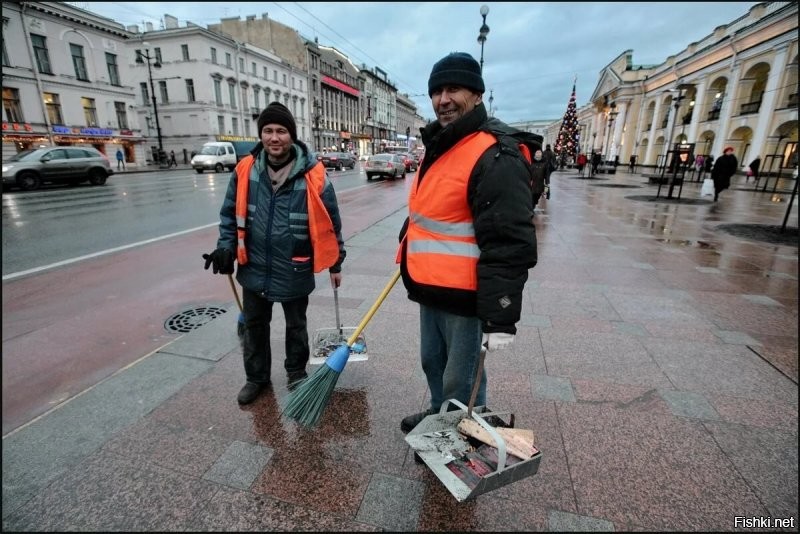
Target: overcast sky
(532, 53)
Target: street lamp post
(674, 162)
(141, 57)
(491, 99)
(483, 32)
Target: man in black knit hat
(280, 222)
(469, 240)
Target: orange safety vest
(441, 249)
(320, 227)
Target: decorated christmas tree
(568, 140)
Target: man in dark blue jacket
(277, 246)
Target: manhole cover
(674, 200)
(763, 232)
(188, 320)
(625, 186)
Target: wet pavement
(655, 362)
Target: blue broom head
(338, 358)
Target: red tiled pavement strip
(656, 362)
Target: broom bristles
(307, 402)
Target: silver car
(390, 165)
(29, 169)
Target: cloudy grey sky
(532, 53)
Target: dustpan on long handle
(327, 340)
(437, 441)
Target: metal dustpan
(327, 340)
(444, 449)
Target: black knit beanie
(457, 68)
(277, 113)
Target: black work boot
(250, 392)
(408, 423)
(294, 378)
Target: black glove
(222, 259)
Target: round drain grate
(188, 320)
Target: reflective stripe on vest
(320, 227)
(441, 249)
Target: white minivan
(216, 156)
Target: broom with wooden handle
(308, 400)
(240, 322)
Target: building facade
(65, 82)
(736, 87)
(209, 86)
(380, 109)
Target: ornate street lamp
(483, 32)
(491, 99)
(141, 57)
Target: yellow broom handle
(373, 309)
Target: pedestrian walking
(632, 164)
(540, 177)
(280, 221)
(753, 169)
(120, 159)
(172, 159)
(596, 159)
(581, 162)
(469, 240)
(724, 168)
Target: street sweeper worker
(469, 241)
(280, 222)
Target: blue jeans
(450, 350)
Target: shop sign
(16, 127)
(126, 132)
(82, 131)
(344, 135)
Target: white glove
(497, 341)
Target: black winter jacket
(499, 195)
(279, 252)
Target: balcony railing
(750, 108)
(713, 114)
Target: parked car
(410, 162)
(29, 169)
(338, 160)
(390, 165)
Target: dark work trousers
(257, 352)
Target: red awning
(339, 85)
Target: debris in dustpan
(466, 465)
(327, 340)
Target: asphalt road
(70, 323)
(57, 224)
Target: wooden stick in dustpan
(519, 442)
(308, 400)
